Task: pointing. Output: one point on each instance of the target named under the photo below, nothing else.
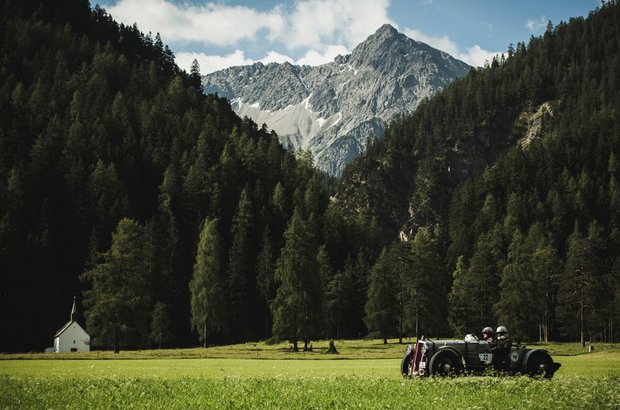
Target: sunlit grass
(592, 365)
(347, 349)
(205, 368)
(259, 376)
(307, 392)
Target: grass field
(366, 376)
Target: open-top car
(473, 356)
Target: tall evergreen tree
(425, 287)
(241, 275)
(326, 273)
(297, 305)
(547, 269)
(518, 288)
(109, 198)
(265, 281)
(160, 325)
(578, 281)
(208, 312)
(382, 306)
(194, 75)
(476, 287)
(117, 301)
(339, 294)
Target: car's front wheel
(445, 363)
(406, 364)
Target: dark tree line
(177, 221)
(513, 168)
(113, 162)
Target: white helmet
(501, 329)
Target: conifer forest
(174, 222)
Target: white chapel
(71, 337)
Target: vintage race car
(472, 356)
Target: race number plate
(485, 358)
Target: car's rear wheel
(406, 364)
(540, 364)
(445, 363)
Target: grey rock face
(332, 109)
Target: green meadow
(364, 375)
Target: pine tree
(339, 294)
(194, 75)
(425, 287)
(208, 313)
(108, 197)
(297, 306)
(579, 280)
(547, 270)
(160, 325)
(265, 282)
(118, 300)
(614, 306)
(241, 280)
(326, 273)
(382, 306)
(476, 287)
(400, 259)
(281, 213)
(518, 288)
(461, 301)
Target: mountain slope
(514, 170)
(332, 109)
(97, 124)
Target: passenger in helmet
(487, 335)
(501, 348)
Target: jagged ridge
(332, 109)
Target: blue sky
(224, 33)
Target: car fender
(553, 366)
(526, 357)
(453, 350)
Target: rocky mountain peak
(385, 31)
(385, 42)
(332, 109)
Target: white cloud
(211, 63)
(310, 24)
(442, 43)
(320, 29)
(315, 23)
(211, 23)
(537, 25)
(474, 55)
(477, 56)
(314, 57)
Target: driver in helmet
(501, 348)
(487, 335)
